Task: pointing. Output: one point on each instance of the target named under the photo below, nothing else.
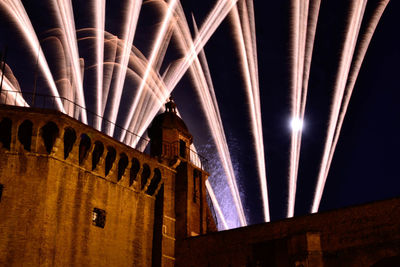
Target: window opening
(110, 158)
(69, 140)
(154, 182)
(5, 132)
(145, 175)
(84, 146)
(99, 217)
(122, 164)
(134, 171)
(97, 153)
(49, 134)
(182, 148)
(25, 134)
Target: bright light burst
(296, 124)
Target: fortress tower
(170, 142)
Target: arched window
(110, 158)
(154, 182)
(49, 133)
(69, 141)
(97, 153)
(84, 147)
(134, 171)
(145, 175)
(122, 164)
(5, 132)
(25, 134)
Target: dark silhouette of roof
(168, 120)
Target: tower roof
(169, 120)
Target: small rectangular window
(182, 148)
(1, 190)
(99, 217)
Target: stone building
(72, 196)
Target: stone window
(97, 153)
(5, 132)
(25, 134)
(49, 134)
(154, 182)
(110, 158)
(134, 171)
(69, 140)
(99, 217)
(1, 190)
(182, 148)
(84, 147)
(122, 164)
(145, 175)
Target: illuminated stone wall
(60, 179)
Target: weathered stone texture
(47, 201)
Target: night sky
(366, 160)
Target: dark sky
(365, 163)
(364, 166)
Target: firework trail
(65, 17)
(17, 12)
(304, 23)
(347, 77)
(243, 24)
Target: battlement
(49, 133)
(71, 195)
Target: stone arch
(97, 153)
(145, 175)
(154, 182)
(122, 164)
(69, 141)
(135, 168)
(393, 261)
(5, 132)
(84, 147)
(110, 158)
(49, 133)
(25, 134)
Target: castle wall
(356, 236)
(49, 199)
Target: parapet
(49, 133)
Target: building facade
(72, 196)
